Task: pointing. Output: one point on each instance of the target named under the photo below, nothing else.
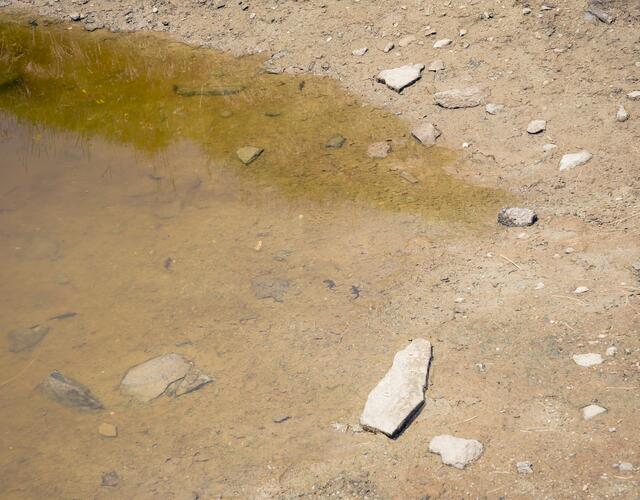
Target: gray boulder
(517, 217)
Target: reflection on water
(129, 229)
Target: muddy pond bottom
(131, 228)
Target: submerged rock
(248, 154)
(400, 78)
(269, 288)
(426, 133)
(469, 97)
(336, 142)
(517, 217)
(8, 80)
(208, 91)
(170, 374)
(69, 392)
(110, 479)
(455, 451)
(395, 400)
(379, 150)
(26, 338)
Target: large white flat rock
(399, 78)
(401, 392)
(150, 379)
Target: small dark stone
(70, 393)
(355, 291)
(330, 284)
(110, 479)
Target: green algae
(149, 92)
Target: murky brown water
(123, 201)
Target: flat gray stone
(336, 142)
(469, 97)
(634, 96)
(591, 411)
(517, 217)
(266, 287)
(572, 160)
(150, 379)
(440, 44)
(588, 359)
(456, 452)
(437, 65)
(248, 154)
(524, 467)
(494, 109)
(400, 393)
(26, 338)
(70, 393)
(426, 133)
(192, 381)
(400, 78)
(360, 52)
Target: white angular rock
(400, 393)
(580, 289)
(524, 467)
(406, 41)
(548, 147)
(622, 115)
(442, 43)
(587, 360)
(400, 78)
(388, 47)
(426, 133)
(517, 217)
(634, 96)
(536, 126)
(436, 65)
(454, 451)
(379, 150)
(625, 467)
(572, 160)
(360, 52)
(459, 98)
(611, 351)
(248, 154)
(588, 412)
(494, 109)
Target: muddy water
(122, 200)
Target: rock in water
(400, 78)
(26, 338)
(336, 142)
(265, 287)
(572, 160)
(248, 154)
(152, 378)
(69, 392)
(208, 91)
(517, 217)
(379, 150)
(454, 451)
(469, 97)
(426, 133)
(397, 397)
(591, 411)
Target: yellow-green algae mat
(148, 91)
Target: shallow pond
(123, 201)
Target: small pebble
(524, 467)
(581, 290)
(108, 430)
(442, 43)
(622, 115)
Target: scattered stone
(634, 96)
(360, 52)
(266, 287)
(603, 16)
(536, 126)
(587, 360)
(26, 338)
(462, 32)
(336, 142)
(437, 65)
(169, 374)
(110, 479)
(70, 393)
(442, 43)
(494, 109)
(426, 133)
(75, 16)
(455, 451)
(459, 98)
(526, 11)
(379, 150)
(248, 154)
(399, 395)
(548, 147)
(280, 419)
(590, 18)
(611, 351)
(591, 411)
(409, 177)
(388, 47)
(330, 284)
(625, 467)
(406, 41)
(400, 78)
(581, 289)
(108, 430)
(517, 217)
(572, 160)
(622, 115)
(524, 467)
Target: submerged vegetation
(150, 92)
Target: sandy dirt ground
(498, 304)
